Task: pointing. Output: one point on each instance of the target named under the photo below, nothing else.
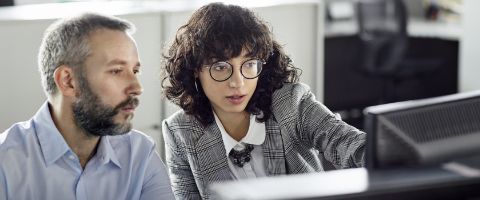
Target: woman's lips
(236, 99)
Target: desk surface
(356, 183)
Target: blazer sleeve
(181, 176)
(317, 127)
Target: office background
(321, 45)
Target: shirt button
(71, 157)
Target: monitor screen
(423, 132)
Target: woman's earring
(196, 87)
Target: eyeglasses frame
(241, 67)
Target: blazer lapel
(273, 149)
(211, 156)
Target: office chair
(6, 3)
(383, 41)
(383, 35)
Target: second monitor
(423, 132)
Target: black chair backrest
(383, 35)
(6, 3)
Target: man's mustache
(130, 101)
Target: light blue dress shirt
(37, 163)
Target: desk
(421, 183)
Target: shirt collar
(255, 135)
(52, 143)
(106, 152)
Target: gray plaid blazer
(300, 131)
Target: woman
(243, 113)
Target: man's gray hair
(65, 42)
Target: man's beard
(96, 118)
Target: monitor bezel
(372, 114)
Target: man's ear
(64, 79)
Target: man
(80, 144)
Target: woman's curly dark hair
(219, 32)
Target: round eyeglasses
(222, 70)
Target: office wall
(469, 47)
(20, 87)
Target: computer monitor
(422, 132)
